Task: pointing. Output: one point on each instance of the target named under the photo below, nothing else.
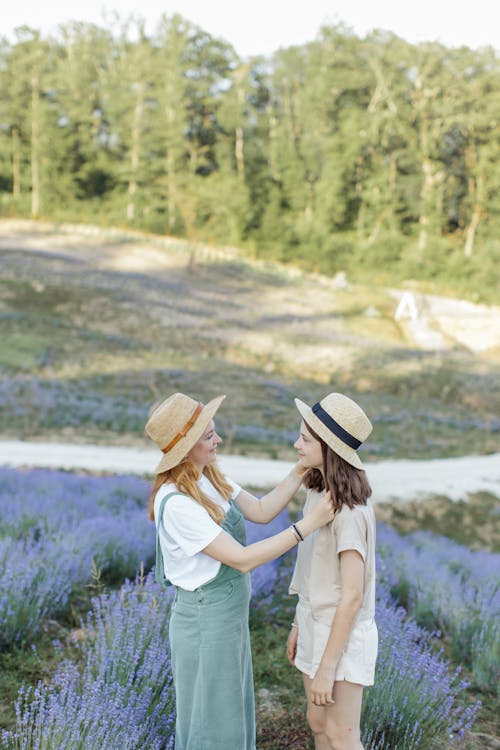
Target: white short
(357, 663)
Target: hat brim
(335, 443)
(182, 448)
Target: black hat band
(334, 427)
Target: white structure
(407, 307)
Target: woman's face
(309, 449)
(205, 450)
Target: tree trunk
(171, 190)
(134, 152)
(477, 212)
(171, 182)
(309, 208)
(379, 221)
(35, 146)
(361, 217)
(471, 231)
(238, 151)
(425, 192)
(16, 163)
(273, 145)
(238, 146)
(476, 189)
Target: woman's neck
(201, 469)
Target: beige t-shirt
(316, 577)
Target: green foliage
(374, 156)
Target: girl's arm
(264, 509)
(228, 551)
(352, 577)
(291, 644)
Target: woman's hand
(322, 513)
(322, 686)
(298, 472)
(291, 644)
(300, 468)
(318, 517)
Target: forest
(373, 156)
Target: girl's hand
(291, 644)
(322, 686)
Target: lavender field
(109, 685)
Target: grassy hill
(96, 326)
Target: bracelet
(295, 533)
(301, 538)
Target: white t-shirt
(186, 528)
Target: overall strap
(159, 568)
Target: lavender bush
(38, 404)
(57, 526)
(121, 679)
(36, 579)
(449, 588)
(47, 499)
(55, 529)
(117, 694)
(415, 703)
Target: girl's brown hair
(346, 484)
(185, 476)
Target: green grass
(279, 692)
(22, 351)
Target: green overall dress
(211, 657)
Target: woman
(199, 516)
(333, 640)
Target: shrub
(118, 695)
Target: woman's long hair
(346, 484)
(185, 476)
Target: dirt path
(391, 480)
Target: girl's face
(309, 449)
(205, 450)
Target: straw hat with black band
(340, 422)
(177, 424)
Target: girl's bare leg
(316, 718)
(343, 717)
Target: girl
(333, 640)
(199, 515)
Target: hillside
(96, 326)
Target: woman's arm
(264, 509)
(228, 551)
(352, 578)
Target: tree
(127, 83)
(28, 111)
(84, 158)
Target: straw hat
(340, 422)
(177, 424)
